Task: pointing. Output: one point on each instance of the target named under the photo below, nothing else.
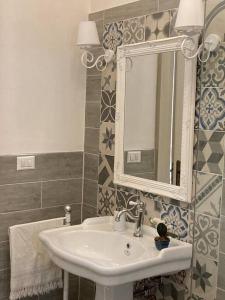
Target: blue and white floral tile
(213, 72)
(204, 278)
(204, 232)
(212, 109)
(107, 138)
(108, 106)
(123, 200)
(106, 201)
(134, 30)
(113, 35)
(157, 26)
(176, 218)
(108, 82)
(207, 193)
(209, 151)
(105, 171)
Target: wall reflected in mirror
(153, 116)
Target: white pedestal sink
(114, 260)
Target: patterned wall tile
(205, 234)
(105, 171)
(213, 74)
(109, 77)
(173, 18)
(150, 288)
(113, 35)
(107, 138)
(134, 30)
(123, 199)
(208, 193)
(157, 26)
(106, 201)
(208, 152)
(204, 277)
(108, 106)
(197, 108)
(177, 220)
(212, 109)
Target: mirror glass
(153, 116)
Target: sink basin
(113, 259)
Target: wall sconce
(190, 21)
(87, 38)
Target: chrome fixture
(87, 38)
(139, 217)
(190, 21)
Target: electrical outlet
(25, 163)
(133, 157)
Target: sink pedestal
(119, 292)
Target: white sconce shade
(87, 34)
(190, 17)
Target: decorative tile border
(113, 35)
(209, 151)
(204, 230)
(134, 30)
(108, 106)
(105, 171)
(177, 219)
(204, 277)
(213, 74)
(208, 188)
(107, 138)
(106, 201)
(212, 109)
(157, 26)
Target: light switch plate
(133, 157)
(25, 163)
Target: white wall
(97, 5)
(42, 82)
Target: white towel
(32, 271)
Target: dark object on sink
(162, 241)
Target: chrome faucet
(139, 218)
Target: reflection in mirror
(153, 116)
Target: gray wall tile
(91, 166)
(90, 192)
(9, 174)
(47, 166)
(222, 234)
(91, 144)
(4, 284)
(93, 90)
(92, 114)
(96, 16)
(20, 197)
(4, 255)
(138, 8)
(20, 217)
(61, 165)
(89, 212)
(221, 274)
(168, 4)
(61, 192)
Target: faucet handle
(139, 203)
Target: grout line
(94, 154)
(36, 209)
(40, 181)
